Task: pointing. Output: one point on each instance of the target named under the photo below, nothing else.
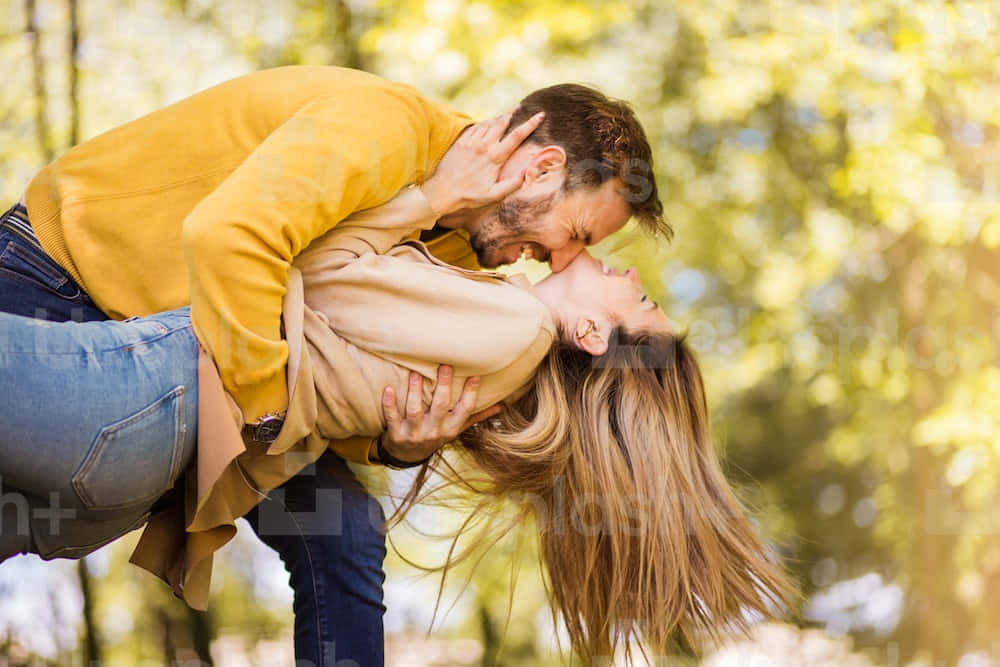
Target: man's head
(588, 169)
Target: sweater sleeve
(335, 155)
(374, 230)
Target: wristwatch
(267, 428)
(391, 461)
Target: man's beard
(510, 220)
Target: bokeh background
(831, 170)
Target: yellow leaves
(824, 138)
(825, 389)
(906, 39)
(952, 426)
(964, 463)
(832, 234)
(896, 387)
(731, 94)
(780, 282)
(573, 23)
(989, 233)
(759, 361)
(970, 417)
(845, 447)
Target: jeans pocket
(42, 270)
(134, 460)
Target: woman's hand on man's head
(417, 434)
(468, 176)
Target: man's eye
(643, 298)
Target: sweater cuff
(354, 449)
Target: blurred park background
(831, 169)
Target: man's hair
(602, 138)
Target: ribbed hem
(44, 214)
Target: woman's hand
(418, 434)
(467, 176)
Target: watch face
(268, 431)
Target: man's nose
(560, 259)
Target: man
(207, 202)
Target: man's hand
(419, 434)
(467, 176)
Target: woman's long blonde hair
(640, 535)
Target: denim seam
(17, 275)
(34, 282)
(55, 274)
(320, 599)
(147, 341)
(139, 343)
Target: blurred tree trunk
(74, 73)
(930, 593)
(41, 97)
(202, 632)
(166, 637)
(491, 640)
(91, 641)
(343, 24)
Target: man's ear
(547, 163)
(591, 335)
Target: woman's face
(589, 299)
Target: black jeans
(327, 529)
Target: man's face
(549, 224)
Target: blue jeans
(98, 424)
(328, 531)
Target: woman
(604, 437)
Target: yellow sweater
(208, 200)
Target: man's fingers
(389, 409)
(414, 398)
(498, 126)
(518, 135)
(505, 187)
(466, 404)
(441, 401)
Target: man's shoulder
(316, 81)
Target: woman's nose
(632, 274)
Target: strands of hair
(610, 459)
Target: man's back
(111, 209)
